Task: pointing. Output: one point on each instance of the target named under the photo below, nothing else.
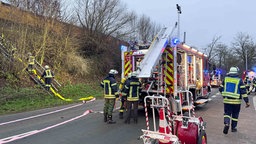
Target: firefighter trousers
(109, 106)
(48, 82)
(231, 112)
(129, 105)
(123, 106)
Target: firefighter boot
(105, 117)
(225, 130)
(110, 121)
(127, 121)
(234, 130)
(135, 120)
(121, 115)
(47, 88)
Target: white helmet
(129, 75)
(112, 71)
(134, 74)
(233, 70)
(46, 67)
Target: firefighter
(247, 84)
(232, 90)
(31, 62)
(47, 75)
(123, 95)
(110, 93)
(133, 89)
(198, 87)
(254, 83)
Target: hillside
(62, 46)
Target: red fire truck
(175, 78)
(216, 78)
(166, 70)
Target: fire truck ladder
(154, 53)
(6, 49)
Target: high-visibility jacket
(133, 89)
(233, 90)
(48, 74)
(110, 86)
(31, 60)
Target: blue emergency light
(175, 41)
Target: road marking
(43, 114)
(254, 102)
(30, 133)
(214, 96)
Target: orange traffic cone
(163, 126)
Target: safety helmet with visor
(46, 67)
(134, 74)
(129, 75)
(233, 70)
(112, 71)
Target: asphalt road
(83, 124)
(69, 125)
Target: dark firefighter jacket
(247, 81)
(133, 89)
(110, 86)
(233, 90)
(47, 74)
(254, 81)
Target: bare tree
(103, 22)
(47, 8)
(107, 17)
(211, 51)
(244, 49)
(154, 30)
(144, 28)
(147, 29)
(224, 57)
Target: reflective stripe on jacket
(232, 90)
(31, 60)
(132, 89)
(110, 87)
(48, 74)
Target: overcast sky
(202, 19)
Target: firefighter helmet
(129, 75)
(112, 71)
(134, 74)
(46, 67)
(233, 70)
